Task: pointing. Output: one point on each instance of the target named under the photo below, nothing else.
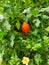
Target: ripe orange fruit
(25, 27)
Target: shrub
(15, 45)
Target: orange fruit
(25, 27)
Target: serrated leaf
(44, 9)
(6, 25)
(45, 17)
(37, 22)
(38, 59)
(36, 46)
(26, 10)
(35, 12)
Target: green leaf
(47, 61)
(6, 25)
(1, 59)
(45, 17)
(37, 22)
(46, 40)
(38, 59)
(12, 40)
(2, 34)
(44, 9)
(27, 10)
(18, 25)
(36, 46)
(1, 16)
(14, 59)
(47, 29)
(12, 1)
(35, 12)
(31, 62)
(28, 16)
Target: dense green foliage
(14, 44)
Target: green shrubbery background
(14, 44)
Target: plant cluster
(24, 32)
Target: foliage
(14, 44)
